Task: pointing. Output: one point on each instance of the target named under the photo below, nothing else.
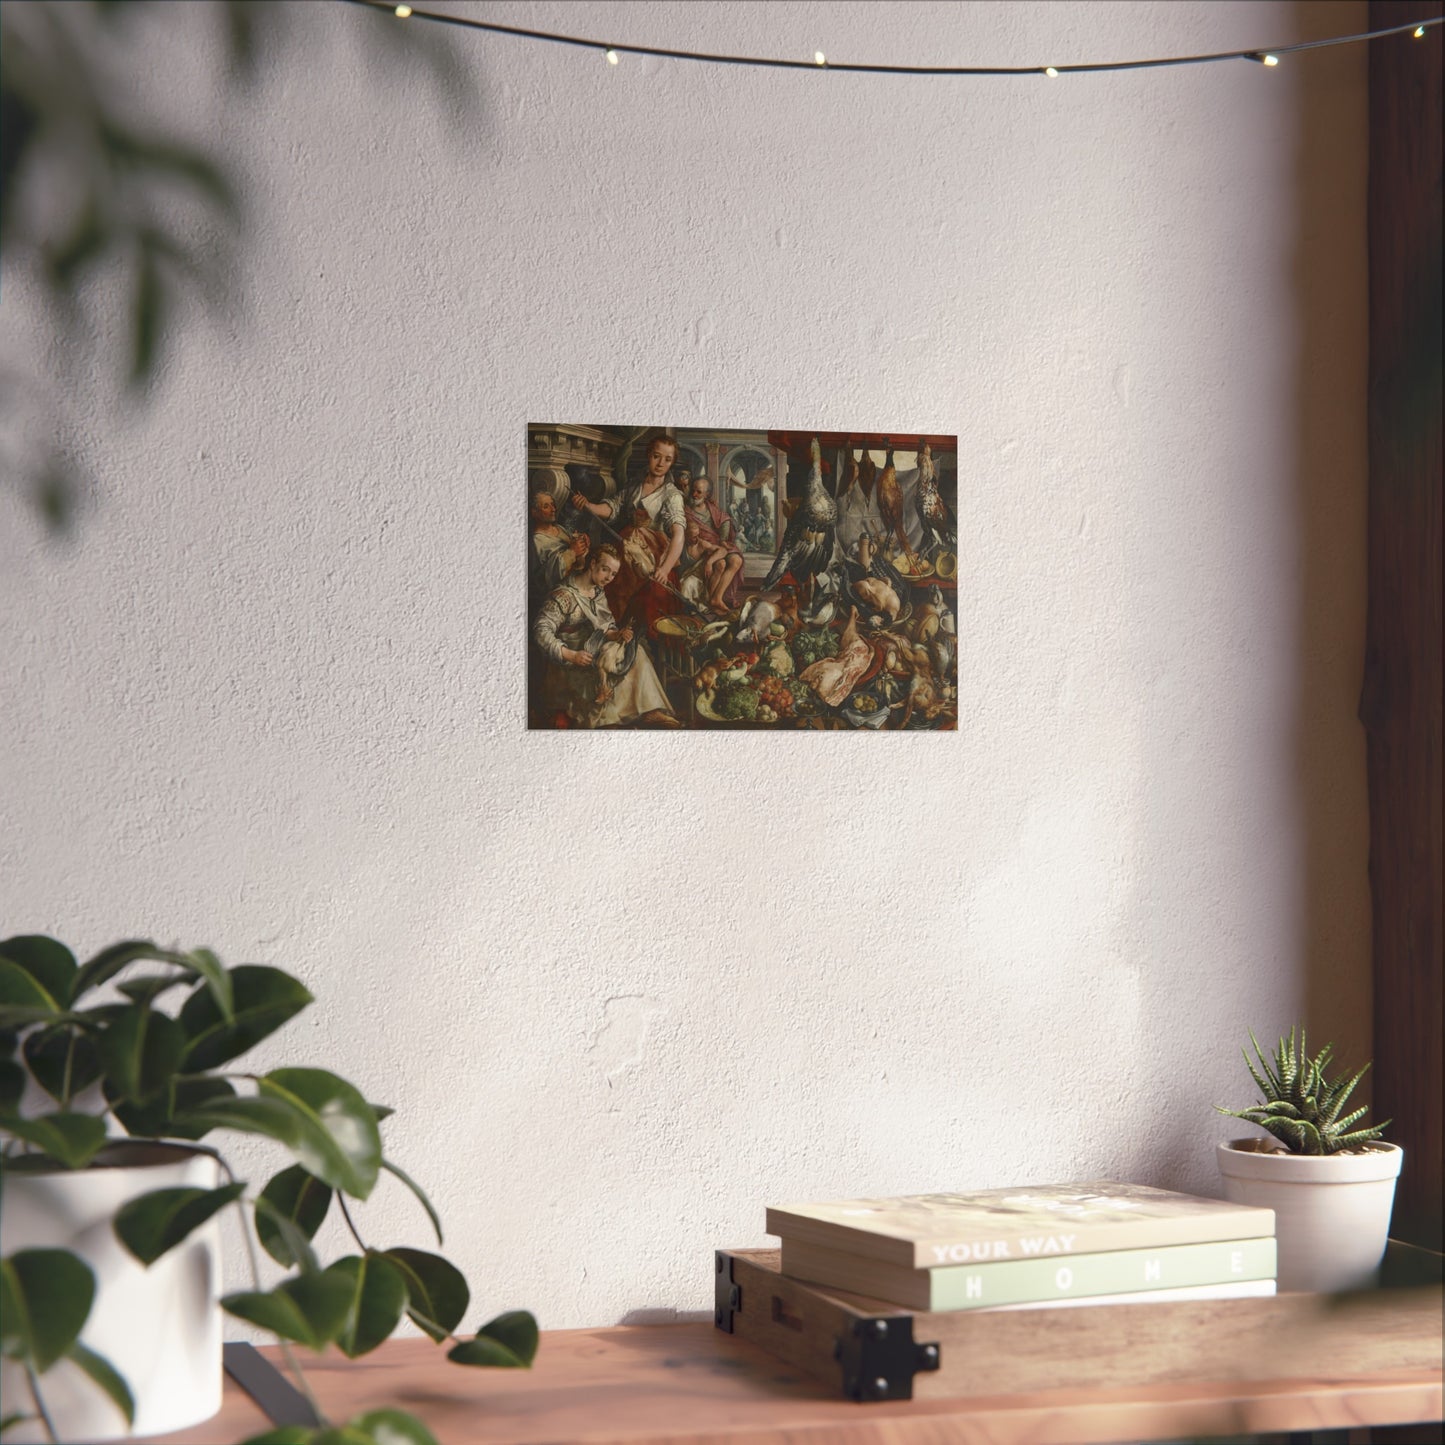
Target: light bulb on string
(1260, 57)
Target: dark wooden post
(1400, 703)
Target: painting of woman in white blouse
(650, 517)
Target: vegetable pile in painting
(694, 578)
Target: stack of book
(1031, 1247)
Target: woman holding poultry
(570, 631)
(650, 518)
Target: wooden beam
(1400, 702)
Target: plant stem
(291, 1361)
(69, 1067)
(39, 1403)
(346, 1215)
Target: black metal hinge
(280, 1401)
(727, 1296)
(880, 1358)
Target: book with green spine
(1034, 1281)
(923, 1231)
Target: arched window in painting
(752, 498)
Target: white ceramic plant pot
(1331, 1211)
(160, 1327)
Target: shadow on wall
(92, 187)
(1323, 904)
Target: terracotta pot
(160, 1327)
(1331, 1211)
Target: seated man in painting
(711, 539)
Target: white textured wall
(625, 990)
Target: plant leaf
(141, 1051)
(437, 1293)
(148, 989)
(1361, 1136)
(340, 1137)
(378, 1296)
(12, 1086)
(507, 1342)
(151, 1224)
(73, 1139)
(104, 1374)
(210, 968)
(416, 1189)
(109, 962)
(50, 964)
(299, 1247)
(186, 1094)
(264, 998)
(392, 1427)
(310, 1310)
(23, 999)
(143, 1121)
(46, 1296)
(280, 1116)
(14, 1323)
(298, 1197)
(46, 1053)
(269, 1117)
(11, 1421)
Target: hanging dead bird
(935, 518)
(867, 473)
(890, 507)
(807, 546)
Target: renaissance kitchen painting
(685, 578)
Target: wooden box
(870, 1350)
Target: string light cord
(1260, 55)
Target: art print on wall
(700, 578)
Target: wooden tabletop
(692, 1384)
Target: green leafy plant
(171, 1075)
(1301, 1107)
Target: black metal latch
(727, 1296)
(880, 1358)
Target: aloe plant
(169, 1075)
(1301, 1107)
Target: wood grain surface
(670, 1384)
(1273, 1340)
